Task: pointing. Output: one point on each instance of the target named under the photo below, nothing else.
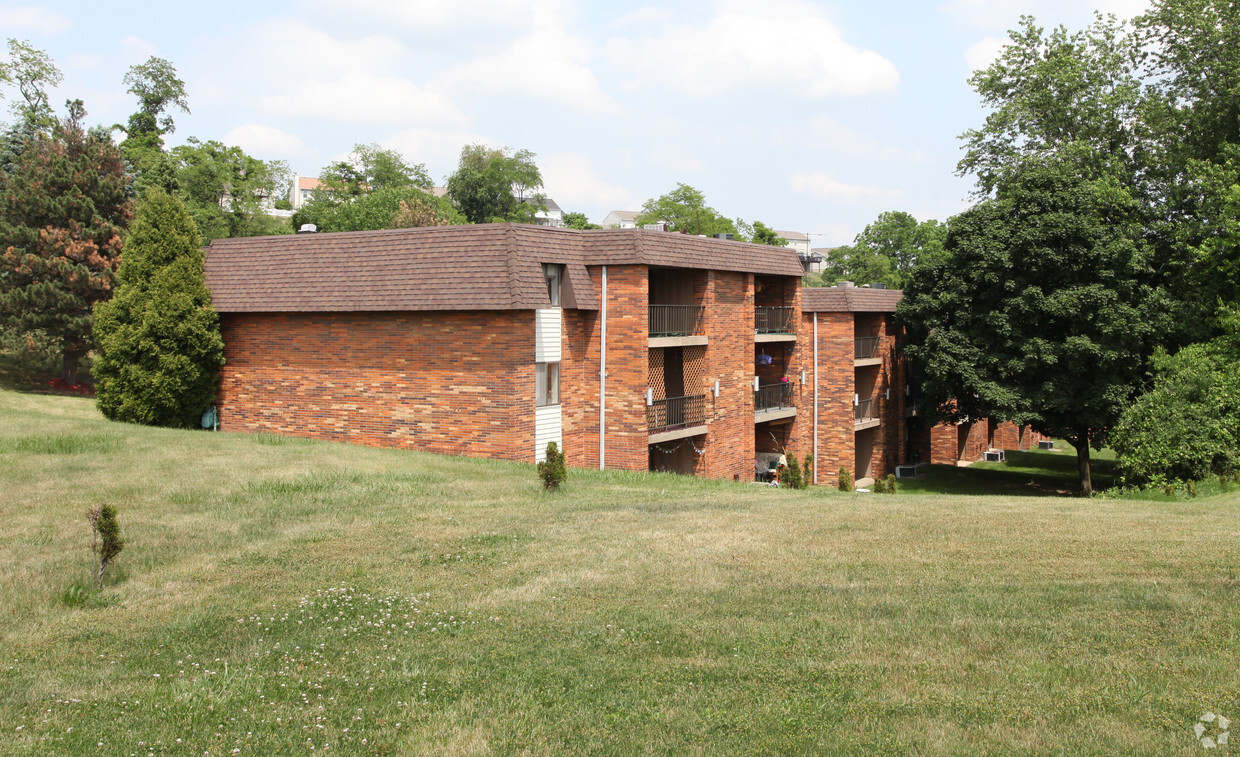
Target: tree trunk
(68, 370)
(1081, 442)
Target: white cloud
(436, 14)
(784, 46)
(136, 49)
(570, 180)
(364, 98)
(548, 64)
(267, 142)
(439, 150)
(982, 53)
(33, 18)
(826, 134)
(825, 187)
(674, 158)
(293, 47)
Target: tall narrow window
(546, 384)
(553, 273)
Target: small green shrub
(807, 470)
(845, 480)
(880, 486)
(891, 483)
(553, 471)
(106, 541)
(791, 477)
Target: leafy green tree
(496, 185)
(579, 221)
(33, 72)
(684, 209)
(371, 167)
(887, 251)
(390, 208)
(225, 189)
(1187, 427)
(1038, 312)
(160, 348)
(1046, 91)
(63, 208)
(763, 234)
(158, 89)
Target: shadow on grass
(1034, 474)
(21, 375)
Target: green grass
(279, 594)
(1031, 474)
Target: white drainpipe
(602, 382)
(816, 397)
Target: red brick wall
(729, 301)
(456, 383)
(836, 387)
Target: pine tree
(159, 339)
(63, 205)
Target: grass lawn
(1030, 474)
(279, 596)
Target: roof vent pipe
(308, 228)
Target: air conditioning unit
(906, 471)
(995, 456)
(1046, 445)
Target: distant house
(553, 216)
(621, 219)
(302, 190)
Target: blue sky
(809, 116)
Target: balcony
(774, 401)
(676, 417)
(866, 352)
(677, 325)
(865, 414)
(774, 324)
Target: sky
(808, 116)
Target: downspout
(602, 382)
(816, 461)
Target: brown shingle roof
(483, 267)
(839, 299)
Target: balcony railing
(773, 396)
(676, 320)
(866, 347)
(865, 410)
(676, 412)
(773, 320)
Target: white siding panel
(547, 334)
(548, 427)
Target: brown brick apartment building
(632, 349)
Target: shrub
(807, 471)
(879, 486)
(891, 483)
(106, 542)
(1187, 427)
(159, 341)
(792, 474)
(845, 480)
(553, 471)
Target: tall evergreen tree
(159, 339)
(62, 209)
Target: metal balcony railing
(865, 410)
(773, 396)
(676, 412)
(676, 320)
(773, 320)
(866, 347)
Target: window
(546, 384)
(553, 273)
